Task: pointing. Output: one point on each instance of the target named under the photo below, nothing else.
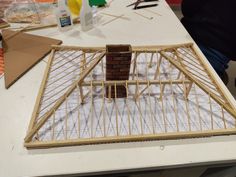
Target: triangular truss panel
(172, 93)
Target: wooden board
(22, 52)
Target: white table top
(16, 106)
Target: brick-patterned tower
(118, 59)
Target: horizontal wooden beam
(130, 138)
(134, 82)
(152, 48)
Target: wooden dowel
(197, 105)
(111, 15)
(210, 104)
(153, 12)
(135, 64)
(150, 108)
(53, 125)
(139, 109)
(109, 93)
(117, 123)
(189, 89)
(133, 138)
(163, 110)
(187, 106)
(91, 109)
(144, 16)
(174, 103)
(127, 92)
(78, 106)
(66, 118)
(157, 73)
(151, 60)
(116, 18)
(103, 109)
(223, 117)
(134, 82)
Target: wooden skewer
(103, 13)
(139, 108)
(53, 126)
(223, 116)
(175, 105)
(197, 105)
(66, 121)
(187, 106)
(210, 104)
(150, 108)
(148, 10)
(117, 122)
(78, 105)
(91, 109)
(149, 18)
(127, 92)
(163, 108)
(112, 20)
(103, 109)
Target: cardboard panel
(22, 52)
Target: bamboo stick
(150, 108)
(91, 109)
(127, 92)
(163, 109)
(134, 82)
(78, 105)
(116, 18)
(198, 111)
(223, 117)
(103, 111)
(117, 123)
(209, 101)
(187, 106)
(135, 64)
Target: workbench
(16, 106)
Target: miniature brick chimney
(118, 59)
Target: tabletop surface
(155, 26)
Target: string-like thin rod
(197, 106)
(223, 117)
(187, 106)
(103, 108)
(150, 108)
(210, 104)
(163, 108)
(127, 92)
(174, 103)
(117, 123)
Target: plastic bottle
(95, 15)
(63, 15)
(86, 16)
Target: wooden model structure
(172, 93)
